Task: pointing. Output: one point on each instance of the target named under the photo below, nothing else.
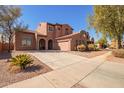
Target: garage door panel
(64, 46)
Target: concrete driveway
(71, 70)
(58, 60)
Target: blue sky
(76, 16)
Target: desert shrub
(91, 47)
(22, 61)
(81, 47)
(96, 48)
(118, 53)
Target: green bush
(81, 47)
(96, 48)
(22, 61)
(118, 53)
(91, 47)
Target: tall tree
(108, 20)
(9, 21)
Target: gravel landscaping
(7, 77)
(89, 54)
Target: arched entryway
(42, 44)
(50, 44)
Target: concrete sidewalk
(63, 77)
(108, 75)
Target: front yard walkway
(75, 71)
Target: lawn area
(7, 77)
(89, 54)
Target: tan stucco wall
(64, 27)
(77, 37)
(18, 41)
(42, 28)
(71, 42)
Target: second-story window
(66, 31)
(59, 29)
(51, 29)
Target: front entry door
(42, 44)
(50, 44)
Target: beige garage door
(64, 46)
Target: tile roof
(33, 32)
(67, 36)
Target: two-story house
(50, 37)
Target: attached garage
(64, 45)
(67, 42)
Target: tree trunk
(118, 42)
(9, 45)
(86, 44)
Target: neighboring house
(50, 36)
